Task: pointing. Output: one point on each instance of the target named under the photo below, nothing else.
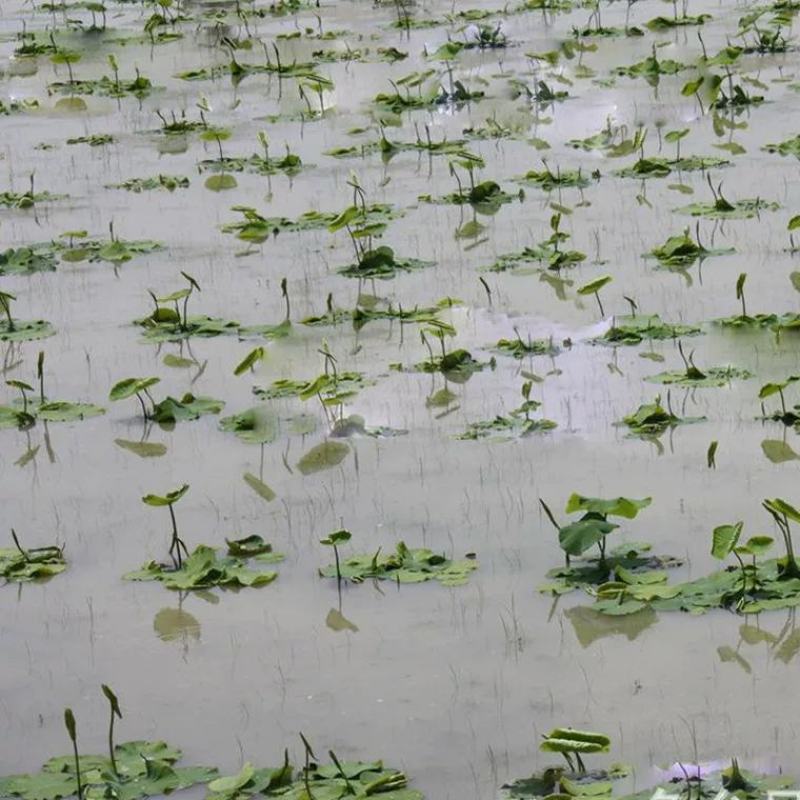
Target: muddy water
(453, 685)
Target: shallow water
(453, 685)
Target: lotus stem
(19, 547)
(69, 722)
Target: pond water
(453, 685)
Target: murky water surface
(454, 685)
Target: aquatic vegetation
(20, 564)
(548, 252)
(603, 140)
(682, 251)
(360, 315)
(434, 94)
(657, 167)
(629, 567)
(334, 540)
(18, 106)
(572, 743)
(130, 387)
(76, 246)
(331, 388)
(205, 568)
(692, 376)
(261, 425)
(520, 348)
(661, 23)
(784, 415)
(389, 148)
(721, 208)
(134, 770)
(789, 147)
(651, 68)
(335, 780)
(169, 410)
(548, 180)
(593, 288)
(188, 407)
(289, 164)
(172, 324)
(776, 322)
(35, 409)
(256, 228)
(381, 262)
(106, 86)
(516, 425)
(737, 98)
(749, 588)
(25, 200)
(456, 365)
(684, 779)
(593, 527)
(405, 565)
(17, 330)
(168, 182)
(633, 329)
(486, 197)
(93, 140)
(362, 227)
(176, 544)
(652, 419)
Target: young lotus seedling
(594, 287)
(674, 137)
(722, 208)
(692, 376)
(404, 565)
(218, 135)
(170, 316)
(115, 712)
(15, 330)
(740, 281)
(277, 331)
(650, 420)
(249, 361)
(755, 546)
(593, 527)
(682, 251)
(782, 512)
(69, 722)
(334, 540)
(794, 224)
(5, 306)
(23, 388)
(39, 408)
(68, 57)
(169, 500)
(723, 543)
(135, 386)
(784, 416)
(570, 742)
(726, 541)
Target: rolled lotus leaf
(567, 740)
